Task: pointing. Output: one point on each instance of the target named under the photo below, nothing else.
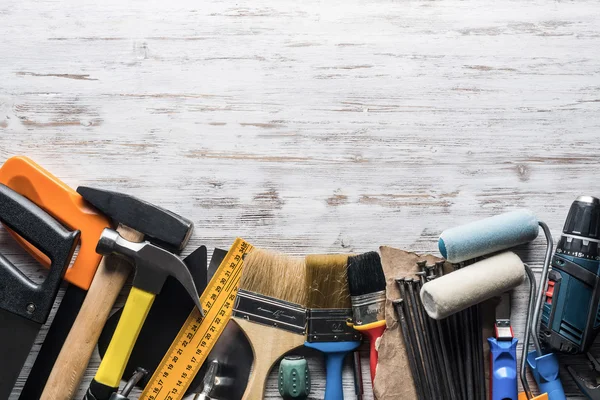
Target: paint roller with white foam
(472, 285)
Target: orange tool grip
(64, 204)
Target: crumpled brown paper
(393, 380)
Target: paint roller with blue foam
(488, 235)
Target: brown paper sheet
(393, 380)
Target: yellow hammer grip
(119, 349)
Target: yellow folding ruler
(198, 336)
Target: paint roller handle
(503, 356)
(554, 389)
(545, 370)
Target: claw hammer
(136, 220)
(153, 264)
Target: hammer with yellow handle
(153, 266)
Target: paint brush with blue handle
(329, 310)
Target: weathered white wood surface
(310, 126)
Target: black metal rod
(456, 333)
(421, 334)
(412, 335)
(434, 339)
(450, 383)
(399, 306)
(468, 340)
(480, 360)
(448, 344)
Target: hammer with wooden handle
(137, 219)
(153, 266)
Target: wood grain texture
(310, 127)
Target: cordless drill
(571, 313)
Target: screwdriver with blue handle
(503, 355)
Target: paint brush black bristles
(365, 274)
(366, 282)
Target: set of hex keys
(445, 356)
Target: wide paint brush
(270, 308)
(366, 282)
(329, 310)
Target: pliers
(590, 388)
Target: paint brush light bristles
(366, 282)
(329, 311)
(327, 281)
(270, 309)
(275, 275)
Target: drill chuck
(571, 314)
(581, 233)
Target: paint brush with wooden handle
(329, 310)
(366, 282)
(270, 308)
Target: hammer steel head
(160, 226)
(153, 264)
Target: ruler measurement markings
(179, 366)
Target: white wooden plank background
(311, 126)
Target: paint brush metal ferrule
(368, 308)
(331, 325)
(270, 311)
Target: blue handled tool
(329, 310)
(503, 355)
(329, 333)
(545, 371)
(335, 353)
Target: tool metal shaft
(450, 383)
(399, 306)
(468, 337)
(357, 370)
(426, 383)
(455, 331)
(438, 351)
(422, 335)
(480, 377)
(530, 306)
